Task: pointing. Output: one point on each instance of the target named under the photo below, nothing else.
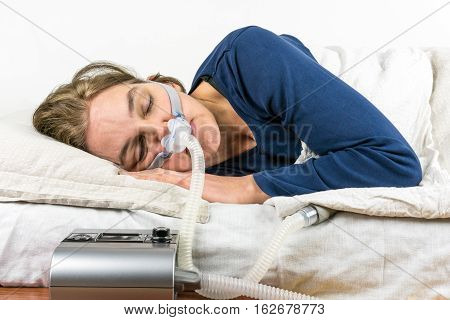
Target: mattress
(350, 256)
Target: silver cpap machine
(119, 264)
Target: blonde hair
(63, 114)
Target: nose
(162, 131)
(154, 131)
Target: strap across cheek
(171, 142)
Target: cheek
(208, 136)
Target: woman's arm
(223, 189)
(279, 81)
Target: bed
(354, 255)
(350, 256)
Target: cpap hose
(223, 287)
(193, 202)
(304, 217)
(261, 267)
(217, 285)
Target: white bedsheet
(349, 256)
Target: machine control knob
(161, 234)
(80, 237)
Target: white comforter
(411, 87)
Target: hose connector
(314, 214)
(309, 214)
(323, 213)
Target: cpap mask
(172, 142)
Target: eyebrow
(130, 97)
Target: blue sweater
(283, 94)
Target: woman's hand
(181, 179)
(223, 189)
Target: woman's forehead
(109, 122)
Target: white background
(174, 37)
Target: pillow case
(440, 102)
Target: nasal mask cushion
(172, 142)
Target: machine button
(161, 234)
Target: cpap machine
(157, 263)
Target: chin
(207, 133)
(210, 144)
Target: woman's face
(127, 122)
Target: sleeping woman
(252, 102)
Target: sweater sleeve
(357, 144)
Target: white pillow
(440, 102)
(399, 82)
(35, 168)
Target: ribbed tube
(192, 206)
(214, 285)
(261, 267)
(217, 286)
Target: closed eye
(147, 109)
(142, 148)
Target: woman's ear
(174, 83)
(153, 76)
(175, 86)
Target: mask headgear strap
(177, 112)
